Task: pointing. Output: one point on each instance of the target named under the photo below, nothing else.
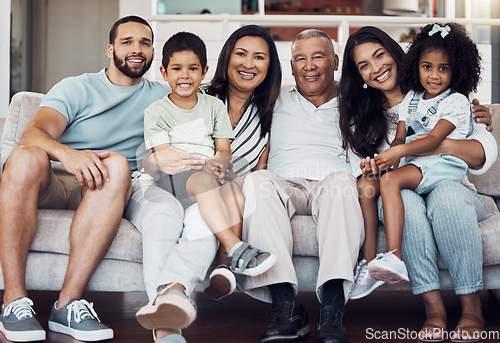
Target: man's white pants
(178, 247)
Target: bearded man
(77, 153)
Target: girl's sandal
(430, 332)
(468, 333)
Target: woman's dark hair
(363, 122)
(462, 52)
(266, 94)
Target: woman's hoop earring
(365, 86)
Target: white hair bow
(438, 28)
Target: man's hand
(87, 166)
(481, 114)
(171, 160)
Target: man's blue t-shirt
(103, 116)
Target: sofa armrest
(489, 182)
(2, 123)
(21, 109)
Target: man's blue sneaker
(78, 319)
(18, 323)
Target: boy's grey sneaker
(222, 283)
(78, 319)
(247, 260)
(18, 323)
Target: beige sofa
(121, 268)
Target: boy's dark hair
(462, 52)
(184, 41)
(128, 19)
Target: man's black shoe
(331, 326)
(289, 323)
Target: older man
(308, 173)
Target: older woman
(248, 79)
(446, 220)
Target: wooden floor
(241, 319)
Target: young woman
(369, 99)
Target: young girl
(441, 68)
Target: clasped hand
(88, 167)
(388, 159)
(220, 167)
(384, 161)
(172, 160)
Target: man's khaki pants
(271, 202)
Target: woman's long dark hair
(266, 94)
(363, 122)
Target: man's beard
(122, 66)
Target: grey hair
(312, 33)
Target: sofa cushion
(126, 246)
(22, 108)
(489, 182)
(490, 235)
(305, 242)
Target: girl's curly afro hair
(462, 54)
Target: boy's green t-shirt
(190, 130)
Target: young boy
(199, 124)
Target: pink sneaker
(388, 268)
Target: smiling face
(435, 73)
(376, 66)
(132, 50)
(248, 64)
(313, 66)
(184, 75)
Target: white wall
(212, 33)
(215, 32)
(4, 56)
(129, 7)
(76, 37)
